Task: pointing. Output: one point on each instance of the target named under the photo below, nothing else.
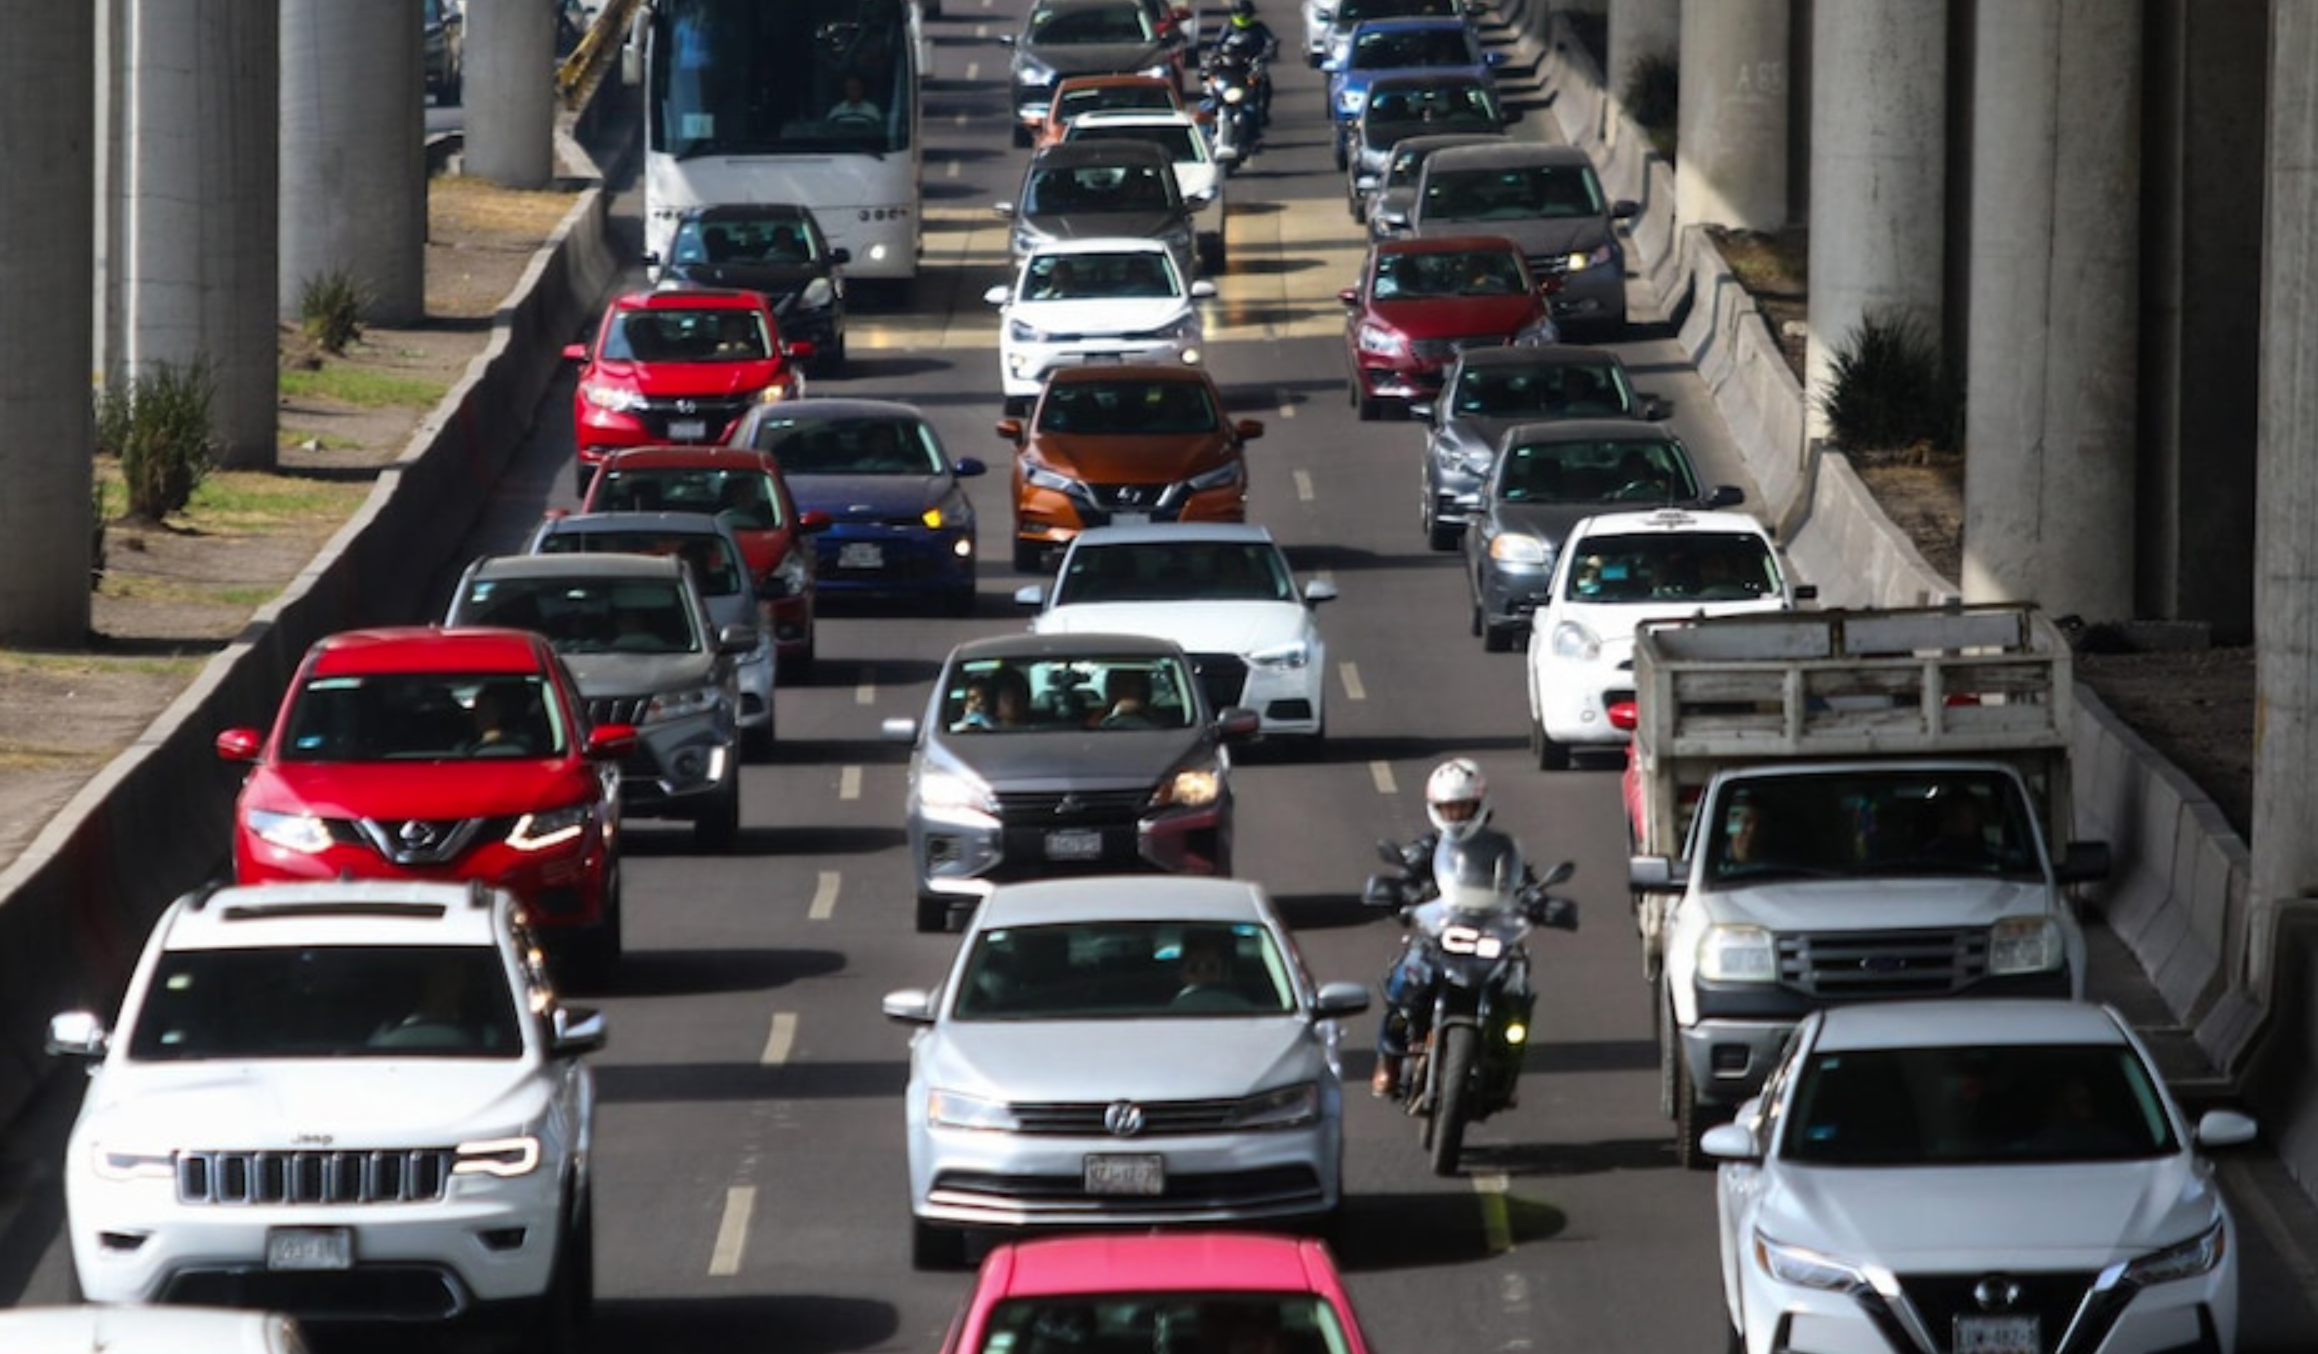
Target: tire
(757, 744)
(1459, 1045)
(1475, 623)
(933, 914)
(1444, 538)
(1496, 638)
(1551, 756)
(1022, 137)
(935, 1248)
(718, 826)
(1029, 556)
(595, 956)
(562, 1312)
(1691, 1119)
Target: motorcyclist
(1250, 42)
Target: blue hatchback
(1398, 46)
(901, 526)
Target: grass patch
(464, 204)
(250, 497)
(300, 437)
(65, 666)
(1768, 265)
(363, 389)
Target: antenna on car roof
(202, 893)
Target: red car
(1421, 302)
(746, 489)
(423, 752)
(1226, 1292)
(680, 365)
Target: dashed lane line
(824, 897)
(849, 783)
(781, 1038)
(1381, 773)
(732, 1231)
(1349, 674)
(1496, 1222)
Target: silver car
(1124, 1052)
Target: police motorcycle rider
(1250, 43)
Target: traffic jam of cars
(346, 1085)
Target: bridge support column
(511, 94)
(1732, 146)
(354, 167)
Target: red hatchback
(1151, 1293)
(1421, 302)
(420, 752)
(678, 365)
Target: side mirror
(1383, 891)
(2083, 863)
(1238, 724)
(814, 521)
(1248, 429)
(609, 742)
(1349, 296)
(578, 1029)
(1726, 496)
(998, 295)
(651, 258)
(1730, 1142)
(910, 1006)
(1319, 590)
(1806, 592)
(1424, 411)
(898, 730)
(2224, 1128)
(967, 467)
(239, 745)
(1560, 914)
(77, 1034)
(1340, 999)
(1651, 407)
(840, 257)
(1010, 429)
(1004, 209)
(1202, 290)
(1031, 595)
(1559, 874)
(798, 349)
(736, 639)
(1654, 874)
(1625, 209)
(575, 352)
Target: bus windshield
(742, 77)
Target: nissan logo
(1995, 1293)
(1124, 1118)
(415, 835)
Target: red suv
(1421, 302)
(744, 489)
(422, 752)
(680, 365)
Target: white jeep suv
(343, 1101)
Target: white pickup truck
(1844, 806)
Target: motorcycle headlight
(606, 395)
(1191, 788)
(1738, 954)
(1283, 1108)
(955, 1109)
(551, 827)
(2024, 945)
(1518, 548)
(1234, 94)
(949, 789)
(1284, 657)
(504, 1157)
(2185, 1260)
(1042, 477)
(1597, 257)
(1806, 1268)
(672, 705)
(300, 832)
(1222, 477)
(1375, 338)
(1575, 642)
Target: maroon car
(1421, 302)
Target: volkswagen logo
(415, 835)
(1124, 1118)
(1995, 1293)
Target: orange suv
(1122, 446)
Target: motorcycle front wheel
(1454, 1088)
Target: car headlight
(948, 789)
(956, 515)
(539, 831)
(1283, 1108)
(776, 392)
(1222, 477)
(503, 1157)
(1349, 101)
(2185, 1260)
(1040, 477)
(787, 578)
(1018, 332)
(1806, 1268)
(618, 399)
(1182, 326)
(819, 294)
(1285, 657)
(125, 1163)
(1375, 338)
(1537, 333)
(672, 705)
(1474, 461)
(2023, 945)
(1029, 70)
(1575, 642)
(300, 832)
(955, 1109)
(1191, 788)
(1518, 548)
(1737, 954)
(1600, 256)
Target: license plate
(1074, 843)
(310, 1248)
(1997, 1335)
(687, 429)
(1110, 1174)
(860, 555)
(1130, 519)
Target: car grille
(620, 710)
(420, 841)
(1442, 349)
(717, 414)
(1071, 808)
(1543, 266)
(1222, 677)
(1836, 965)
(1134, 497)
(415, 1175)
(2054, 1298)
(1161, 1119)
(1272, 1186)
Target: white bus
(806, 101)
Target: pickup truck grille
(1834, 965)
(318, 1177)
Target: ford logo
(1124, 1118)
(1995, 1293)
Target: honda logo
(688, 406)
(1124, 1118)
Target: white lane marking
(732, 1234)
(950, 170)
(824, 897)
(974, 68)
(849, 783)
(779, 1039)
(1303, 486)
(1381, 773)
(1496, 1224)
(866, 692)
(1350, 673)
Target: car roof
(747, 211)
(135, 1328)
(338, 912)
(1095, 372)
(1531, 355)
(1102, 244)
(611, 523)
(1944, 1023)
(1074, 154)
(1433, 142)
(1122, 898)
(1112, 78)
(1222, 1262)
(1135, 117)
(1507, 153)
(1174, 532)
(1441, 244)
(690, 298)
(1551, 431)
(429, 648)
(1455, 21)
(839, 406)
(703, 456)
(609, 565)
(1033, 647)
(1671, 522)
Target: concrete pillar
(2054, 314)
(197, 208)
(1640, 30)
(510, 94)
(1878, 166)
(2284, 849)
(48, 181)
(354, 168)
(1731, 156)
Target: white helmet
(1457, 798)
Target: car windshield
(1068, 695)
(1098, 188)
(758, 240)
(1847, 824)
(1432, 274)
(588, 615)
(662, 335)
(1512, 193)
(1382, 49)
(1696, 566)
(1591, 472)
(743, 496)
(1183, 144)
(1165, 1323)
(1143, 275)
(1451, 103)
(1128, 408)
(1167, 571)
(1089, 25)
(1124, 970)
(873, 444)
(327, 1001)
(1975, 1106)
(1556, 390)
(720, 573)
(423, 717)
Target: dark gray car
(1546, 478)
(1065, 754)
(776, 248)
(1546, 199)
(1380, 197)
(1086, 190)
(1488, 390)
(1081, 37)
(1419, 103)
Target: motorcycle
(1230, 83)
(1471, 916)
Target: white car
(338, 1100)
(1104, 300)
(1199, 176)
(2001, 1176)
(1222, 591)
(96, 1328)
(1615, 571)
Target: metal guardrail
(578, 74)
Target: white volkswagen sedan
(1125, 1052)
(1102, 300)
(1223, 591)
(2001, 1176)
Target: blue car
(1398, 46)
(901, 526)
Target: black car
(776, 249)
(1083, 37)
(1084, 190)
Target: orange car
(1124, 445)
(1076, 94)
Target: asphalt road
(751, 1182)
